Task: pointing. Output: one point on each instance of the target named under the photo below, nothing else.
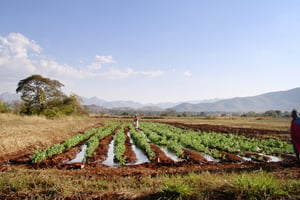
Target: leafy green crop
(141, 141)
(119, 148)
(40, 155)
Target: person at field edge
(136, 121)
(295, 133)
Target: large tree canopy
(37, 91)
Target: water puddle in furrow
(209, 158)
(141, 157)
(110, 155)
(246, 158)
(272, 158)
(80, 156)
(170, 154)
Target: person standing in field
(136, 122)
(295, 133)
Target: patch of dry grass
(28, 132)
(282, 124)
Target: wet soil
(101, 152)
(193, 161)
(160, 156)
(129, 153)
(192, 156)
(248, 132)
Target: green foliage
(176, 190)
(162, 137)
(4, 107)
(263, 186)
(210, 143)
(119, 148)
(43, 96)
(93, 142)
(141, 141)
(37, 91)
(69, 105)
(40, 155)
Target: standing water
(170, 154)
(110, 155)
(80, 156)
(141, 157)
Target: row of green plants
(119, 146)
(40, 155)
(93, 142)
(212, 143)
(141, 141)
(161, 138)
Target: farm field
(168, 158)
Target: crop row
(40, 155)
(119, 145)
(93, 142)
(211, 143)
(161, 138)
(141, 141)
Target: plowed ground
(193, 162)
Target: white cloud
(118, 74)
(21, 57)
(18, 45)
(187, 73)
(99, 61)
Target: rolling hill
(282, 100)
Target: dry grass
(282, 124)
(27, 132)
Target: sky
(152, 51)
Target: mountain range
(281, 100)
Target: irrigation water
(209, 157)
(80, 156)
(271, 158)
(141, 157)
(170, 154)
(110, 155)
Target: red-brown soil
(248, 132)
(160, 156)
(101, 151)
(129, 154)
(193, 161)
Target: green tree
(37, 91)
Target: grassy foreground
(25, 133)
(57, 184)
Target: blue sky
(153, 51)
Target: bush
(4, 108)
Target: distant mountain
(110, 104)
(10, 97)
(283, 100)
(96, 109)
(136, 105)
(151, 108)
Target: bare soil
(192, 161)
(248, 132)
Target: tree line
(43, 96)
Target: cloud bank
(21, 57)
